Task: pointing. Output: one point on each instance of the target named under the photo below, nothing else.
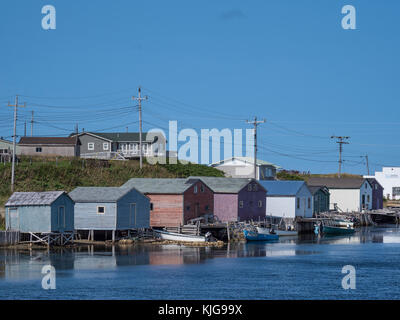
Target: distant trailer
(48, 217)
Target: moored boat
(182, 237)
(337, 227)
(281, 233)
(255, 236)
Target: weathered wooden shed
(110, 209)
(40, 212)
(174, 201)
(236, 199)
(320, 199)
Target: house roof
(315, 189)
(121, 136)
(5, 141)
(225, 185)
(33, 198)
(337, 183)
(48, 140)
(159, 185)
(98, 194)
(282, 188)
(373, 181)
(246, 160)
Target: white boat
(181, 237)
(281, 233)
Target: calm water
(304, 268)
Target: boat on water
(337, 227)
(182, 237)
(251, 235)
(281, 233)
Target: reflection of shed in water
(132, 256)
(175, 255)
(96, 260)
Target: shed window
(298, 203)
(240, 204)
(101, 210)
(202, 188)
(255, 187)
(187, 208)
(90, 146)
(39, 149)
(151, 206)
(249, 187)
(105, 146)
(260, 204)
(368, 198)
(195, 189)
(309, 203)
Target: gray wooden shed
(110, 208)
(40, 212)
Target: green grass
(38, 174)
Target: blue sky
(212, 64)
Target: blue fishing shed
(40, 212)
(110, 208)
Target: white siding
(281, 207)
(388, 178)
(304, 211)
(346, 199)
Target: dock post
(228, 232)
(113, 236)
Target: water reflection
(27, 264)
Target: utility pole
(139, 98)
(255, 123)
(25, 129)
(366, 162)
(16, 106)
(341, 142)
(32, 125)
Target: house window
(151, 206)
(368, 198)
(249, 187)
(101, 210)
(145, 148)
(39, 149)
(298, 203)
(240, 204)
(255, 187)
(309, 203)
(195, 189)
(90, 146)
(260, 204)
(202, 188)
(105, 146)
(134, 147)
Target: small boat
(337, 227)
(281, 233)
(182, 237)
(255, 236)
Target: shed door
(132, 215)
(13, 217)
(61, 218)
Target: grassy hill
(38, 174)
(296, 175)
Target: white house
(346, 194)
(288, 199)
(243, 167)
(389, 179)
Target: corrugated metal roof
(48, 140)
(224, 185)
(337, 183)
(98, 194)
(282, 188)
(159, 185)
(33, 198)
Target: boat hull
(180, 237)
(255, 236)
(337, 230)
